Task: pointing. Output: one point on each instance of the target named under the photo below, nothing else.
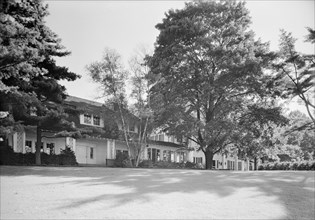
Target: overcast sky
(87, 27)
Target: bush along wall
(9, 157)
(170, 165)
(302, 165)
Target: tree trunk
(38, 145)
(125, 133)
(209, 156)
(255, 163)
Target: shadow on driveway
(293, 190)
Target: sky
(87, 27)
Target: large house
(100, 148)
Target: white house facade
(100, 150)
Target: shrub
(190, 165)
(169, 164)
(294, 166)
(66, 157)
(9, 157)
(302, 165)
(261, 167)
(275, 166)
(146, 164)
(122, 160)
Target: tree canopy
(295, 74)
(30, 90)
(209, 72)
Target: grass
(115, 193)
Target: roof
(86, 101)
(164, 143)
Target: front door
(85, 154)
(153, 155)
(81, 154)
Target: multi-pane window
(124, 152)
(197, 159)
(149, 154)
(91, 152)
(87, 119)
(33, 111)
(96, 120)
(161, 137)
(164, 155)
(91, 119)
(28, 146)
(50, 148)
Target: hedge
(303, 165)
(9, 157)
(169, 165)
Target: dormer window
(33, 111)
(96, 120)
(87, 119)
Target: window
(161, 137)
(91, 152)
(96, 120)
(158, 155)
(28, 146)
(132, 128)
(213, 163)
(172, 156)
(87, 119)
(164, 155)
(149, 154)
(197, 159)
(172, 139)
(33, 111)
(51, 148)
(169, 156)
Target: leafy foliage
(207, 70)
(9, 157)
(303, 165)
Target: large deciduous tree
(29, 88)
(111, 75)
(208, 71)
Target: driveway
(115, 193)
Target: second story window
(33, 111)
(90, 119)
(96, 120)
(87, 119)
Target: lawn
(114, 193)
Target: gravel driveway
(115, 193)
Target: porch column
(23, 143)
(33, 147)
(223, 161)
(108, 156)
(113, 149)
(14, 141)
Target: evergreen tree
(29, 75)
(295, 74)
